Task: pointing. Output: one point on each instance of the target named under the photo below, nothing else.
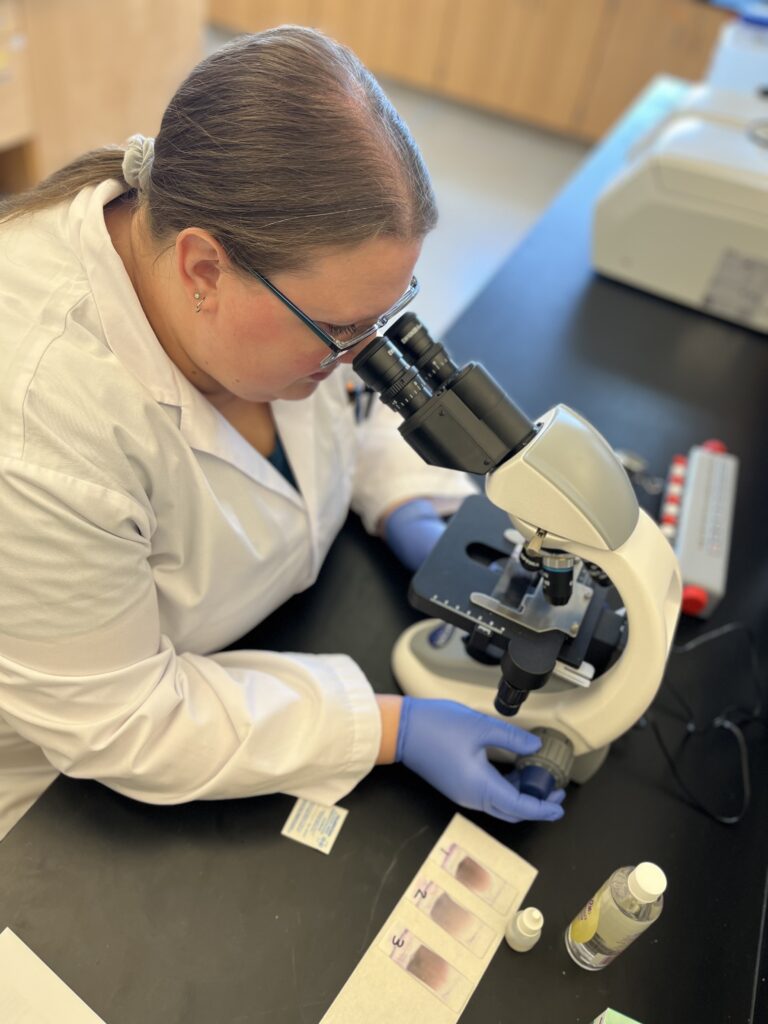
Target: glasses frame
(338, 348)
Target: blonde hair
(281, 145)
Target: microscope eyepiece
(384, 369)
(458, 418)
(420, 349)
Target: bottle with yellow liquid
(628, 903)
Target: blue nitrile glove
(445, 743)
(412, 530)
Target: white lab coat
(140, 533)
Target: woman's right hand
(446, 744)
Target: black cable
(746, 789)
(721, 721)
(689, 712)
(756, 675)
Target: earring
(199, 303)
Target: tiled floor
(492, 179)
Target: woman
(178, 451)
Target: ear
(200, 261)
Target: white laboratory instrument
(558, 598)
(687, 216)
(740, 58)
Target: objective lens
(428, 356)
(557, 572)
(384, 369)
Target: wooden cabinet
(524, 58)
(256, 15)
(16, 117)
(400, 39)
(95, 73)
(75, 74)
(643, 38)
(570, 66)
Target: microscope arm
(568, 482)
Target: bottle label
(601, 920)
(617, 931)
(584, 925)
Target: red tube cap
(695, 599)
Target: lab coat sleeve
(389, 472)
(86, 675)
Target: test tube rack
(697, 519)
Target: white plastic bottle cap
(524, 929)
(530, 921)
(647, 882)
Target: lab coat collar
(130, 337)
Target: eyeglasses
(339, 346)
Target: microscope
(554, 597)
